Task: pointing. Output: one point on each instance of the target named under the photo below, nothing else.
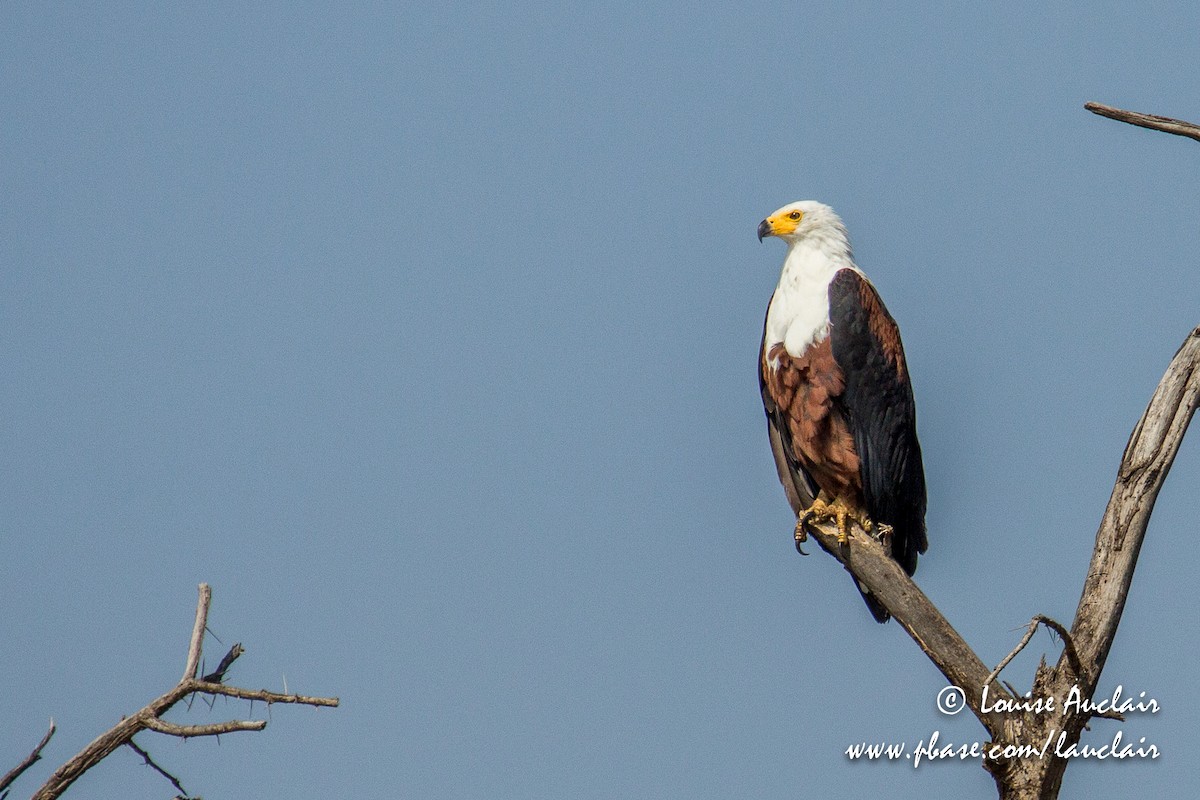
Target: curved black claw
(801, 533)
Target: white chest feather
(799, 311)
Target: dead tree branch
(1144, 466)
(1148, 457)
(150, 763)
(218, 674)
(196, 643)
(214, 729)
(870, 564)
(29, 761)
(150, 717)
(1068, 645)
(263, 695)
(1147, 460)
(1151, 121)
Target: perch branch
(150, 717)
(29, 761)
(1148, 456)
(1152, 121)
(871, 565)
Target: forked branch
(1144, 466)
(1147, 460)
(150, 717)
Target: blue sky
(426, 334)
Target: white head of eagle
(835, 386)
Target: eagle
(835, 386)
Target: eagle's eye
(795, 215)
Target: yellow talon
(843, 525)
(819, 511)
(837, 512)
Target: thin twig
(218, 675)
(263, 695)
(1068, 645)
(150, 762)
(194, 645)
(1152, 121)
(29, 761)
(1020, 646)
(215, 729)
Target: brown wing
(813, 440)
(797, 483)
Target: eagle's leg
(838, 512)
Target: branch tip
(1154, 122)
(195, 644)
(1055, 627)
(150, 763)
(29, 761)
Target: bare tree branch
(29, 761)
(263, 695)
(196, 643)
(1144, 466)
(150, 763)
(1148, 457)
(214, 729)
(150, 717)
(1068, 645)
(218, 675)
(1152, 121)
(870, 564)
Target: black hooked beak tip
(764, 229)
